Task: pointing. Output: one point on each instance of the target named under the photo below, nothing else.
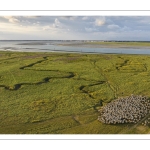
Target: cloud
(46, 28)
(85, 18)
(12, 19)
(87, 27)
(100, 22)
(72, 18)
(125, 28)
(90, 29)
(113, 26)
(57, 21)
(31, 17)
(56, 24)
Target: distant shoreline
(68, 52)
(84, 47)
(128, 45)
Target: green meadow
(60, 93)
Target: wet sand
(128, 45)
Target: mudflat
(94, 44)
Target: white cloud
(113, 26)
(125, 28)
(12, 19)
(32, 17)
(46, 28)
(56, 23)
(90, 29)
(18, 28)
(87, 27)
(100, 22)
(73, 18)
(85, 18)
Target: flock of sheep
(130, 109)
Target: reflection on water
(54, 46)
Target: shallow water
(53, 46)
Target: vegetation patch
(49, 93)
(131, 66)
(42, 105)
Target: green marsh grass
(55, 93)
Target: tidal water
(55, 46)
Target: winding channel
(44, 80)
(47, 79)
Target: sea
(57, 46)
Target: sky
(135, 28)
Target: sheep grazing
(129, 109)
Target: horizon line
(86, 40)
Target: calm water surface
(53, 46)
